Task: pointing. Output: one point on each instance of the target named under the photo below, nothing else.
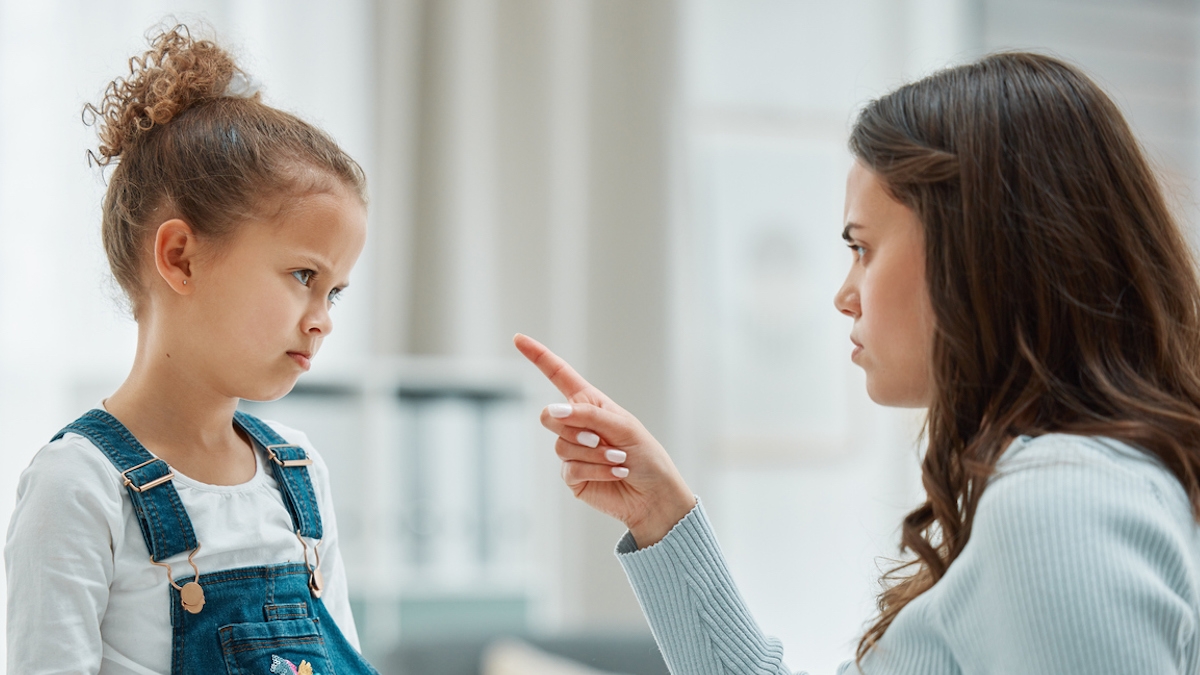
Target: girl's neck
(182, 419)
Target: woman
(1017, 272)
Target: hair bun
(176, 73)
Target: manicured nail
(615, 456)
(620, 471)
(559, 410)
(588, 439)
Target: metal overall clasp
(191, 594)
(316, 580)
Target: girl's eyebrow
(846, 231)
(320, 267)
(313, 262)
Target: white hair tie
(242, 86)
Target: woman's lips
(301, 359)
(857, 349)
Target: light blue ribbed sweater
(1084, 559)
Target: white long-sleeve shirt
(83, 596)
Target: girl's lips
(857, 349)
(302, 360)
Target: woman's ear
(175, 248)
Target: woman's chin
(897, 394)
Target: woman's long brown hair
(1065, 296)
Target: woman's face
(886, 295)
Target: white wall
(1144, 54)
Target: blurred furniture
(597, 653)
(428, 464)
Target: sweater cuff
(659, 573)
(695, 519)
(692, 603)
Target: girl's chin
(264, 395)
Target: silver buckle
(286, 463)
(152, 484)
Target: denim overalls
(254, 620)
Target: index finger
(559, 372)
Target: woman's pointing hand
(609, 460)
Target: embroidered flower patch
(281, 666)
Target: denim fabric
(164, 522)
(256, 620)
(294, 482)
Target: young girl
(1017, 272)
(163, 531)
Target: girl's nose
(318, 322)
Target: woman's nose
(846, 299)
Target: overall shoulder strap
(290, 463)
(165, 525)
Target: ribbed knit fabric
(1084, 559)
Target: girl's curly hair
(190, 140)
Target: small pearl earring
(185, 282)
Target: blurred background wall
(652, 187)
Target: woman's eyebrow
(846, 231)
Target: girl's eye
(303, 276)
(335, 295)
(859, 251)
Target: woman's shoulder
(1079, 544)
(1082, 473)
(1085, 501)
(1058, 446)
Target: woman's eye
(335, 295)
(859, 251)
(303, 276)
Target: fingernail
(620, 471)
(615, 456)
(559, 410)
(588, 438)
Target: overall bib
(266, 620)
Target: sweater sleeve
(698, 617)
(59, 561)
(1078, 563)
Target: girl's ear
(175, 248)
